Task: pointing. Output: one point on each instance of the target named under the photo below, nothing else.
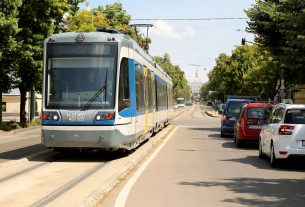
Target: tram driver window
(124, 96)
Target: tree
(112, 16)
(248, 71)
(279, 27)
(180, 84)
(8, 44)
(37, 20)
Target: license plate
(232, 119)
(255, 127)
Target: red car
(250, 121)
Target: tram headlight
(100, 116)
(50, 115)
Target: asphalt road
(22, 143)
(196, 167)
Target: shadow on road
(62, 156)
(215, 129)
(245, 146)
(285, 165)
(21, 152)
(264, 192)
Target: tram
(101, 91)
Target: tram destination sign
(80, 49)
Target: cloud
(164, 29)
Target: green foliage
(180, 84)
(112, 16)
(249, 71)
(10, 125)
(8, 30)
(8, 43)
(279, 27)
(36, 20)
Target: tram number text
(76, 117)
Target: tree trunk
(0, 106)
(23, 120)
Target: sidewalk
(212, 113)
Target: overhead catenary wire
(190, 19)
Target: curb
(98, 195)
(6, 133)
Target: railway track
(61, 171)
(67, 179)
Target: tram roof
(98, 36)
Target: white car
(283, 135)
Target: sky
(192, 44)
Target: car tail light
(286, 130)
(50, 115)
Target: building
(299, 94)
(195, 87)
(11, 103)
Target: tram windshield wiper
(88, 104)
(101, 90)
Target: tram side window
(161, 95)
(139, 87)
(148, 89)
(124, 95)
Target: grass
(13, 125)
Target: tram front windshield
(77, 71)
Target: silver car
(283, 135)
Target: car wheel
(273, 160)
(260, 149)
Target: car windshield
(74, 78)
(258, 113)
(295, 116)
(234, 108)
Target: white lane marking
(122, 198)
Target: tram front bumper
(83, 137)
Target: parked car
(220, 108)
(209, 103)
(188, 103)
(248, 126)
(230, 114)
(283, 136)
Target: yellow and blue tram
(101, 91)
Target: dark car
(230, 114)
(188, 103)
(252, 118)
